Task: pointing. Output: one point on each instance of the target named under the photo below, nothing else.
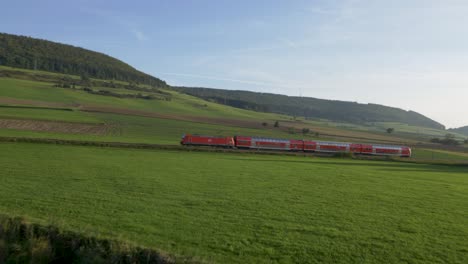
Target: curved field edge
(244, 208)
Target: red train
(247, 142)
(208, 141)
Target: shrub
(22, 242)
(449, 140)
(343, 155)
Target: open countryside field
(181, 107)
(29, 105)
(135, 129)
(244, 208)
(180, 103)
(187, 114)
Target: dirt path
(51, 126)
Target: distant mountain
(30, 53)
(312, 107)
(460, 130)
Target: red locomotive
(248, 142)
(207, 141)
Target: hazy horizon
(406, 54)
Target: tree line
(36, 54)
(311, 108)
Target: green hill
(460, 130)
(36, 54)
(312, 108)
(30, 53)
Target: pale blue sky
(410, 54)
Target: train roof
(198, 135)
(266, 138)
(388, 146)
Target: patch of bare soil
(59, 127)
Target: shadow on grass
(378, 164)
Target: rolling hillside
(30, 53)
(460, 130)
(35, 54)
(312, 108)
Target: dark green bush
(343, 155)
(22, 242)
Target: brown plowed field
(60, 127)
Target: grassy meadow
(432, 154)
(65, 115)
(243, 208)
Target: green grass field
(244, 208)
(47, 114)
(431, 154)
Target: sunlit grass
(244, 208)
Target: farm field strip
(59, 127)
(47, 114)
(243, 208)
(254, 124)
(39, 93)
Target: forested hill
(311, 107)
(460, 130)
(30, 53)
